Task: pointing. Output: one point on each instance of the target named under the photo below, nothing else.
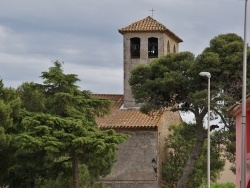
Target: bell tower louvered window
(153, 47)
(135, 45)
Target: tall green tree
(178, 145)
(58, 132)
(9, 109)
(173, 81)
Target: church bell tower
(144, 41)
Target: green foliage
(229, 140)
(9, 110)
(219, 185)
(173, 81)
(156, 84)
(51, 131)
(63, 181)
(178, 146)
(175, 77)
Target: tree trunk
(75, 170)
(196, 151)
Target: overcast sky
(84, 35)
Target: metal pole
(208, 134)
(243, 127)
(208, 75)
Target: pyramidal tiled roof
(148, 24)
(121, 118)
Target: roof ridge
(148, 24)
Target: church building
(140, 158)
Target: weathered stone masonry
(134, 168)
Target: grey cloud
(84, 34)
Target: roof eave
(175, 37)
(129, 127)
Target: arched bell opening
(135, 46)
(153, 47)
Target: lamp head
(207, 74)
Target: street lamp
(208, 75)
(154, 166)
(243, 127)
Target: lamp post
(208, 75)
(243, 123)
(154, 166)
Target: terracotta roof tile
(121, 118)
(117, 100)
(148, 24)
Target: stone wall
(133, 168)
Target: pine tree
(173, 81)
(58, 131)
